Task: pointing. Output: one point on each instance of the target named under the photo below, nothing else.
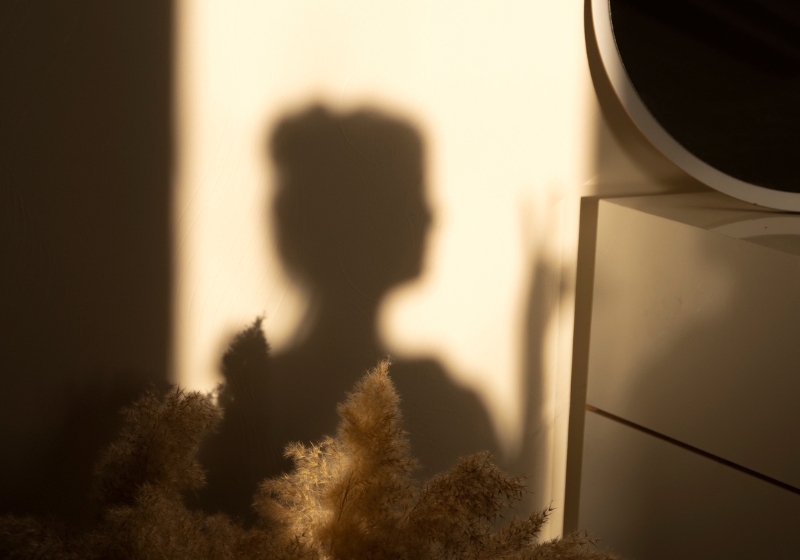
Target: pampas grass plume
(351, 496)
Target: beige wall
(502, 95)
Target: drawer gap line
(696, 450)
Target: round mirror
(714, 85)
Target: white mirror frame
(661, 139)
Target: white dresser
(685, 421)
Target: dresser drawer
(696, 334)
(647, 499)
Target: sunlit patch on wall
(498, 96)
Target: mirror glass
(722, 77)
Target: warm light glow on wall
(500, 92)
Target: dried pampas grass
(351, 496)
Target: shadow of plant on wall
(348, 496)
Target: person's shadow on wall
(351, 221)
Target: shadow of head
(349, 210)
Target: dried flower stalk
(351, 496)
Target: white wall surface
(502, 96)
